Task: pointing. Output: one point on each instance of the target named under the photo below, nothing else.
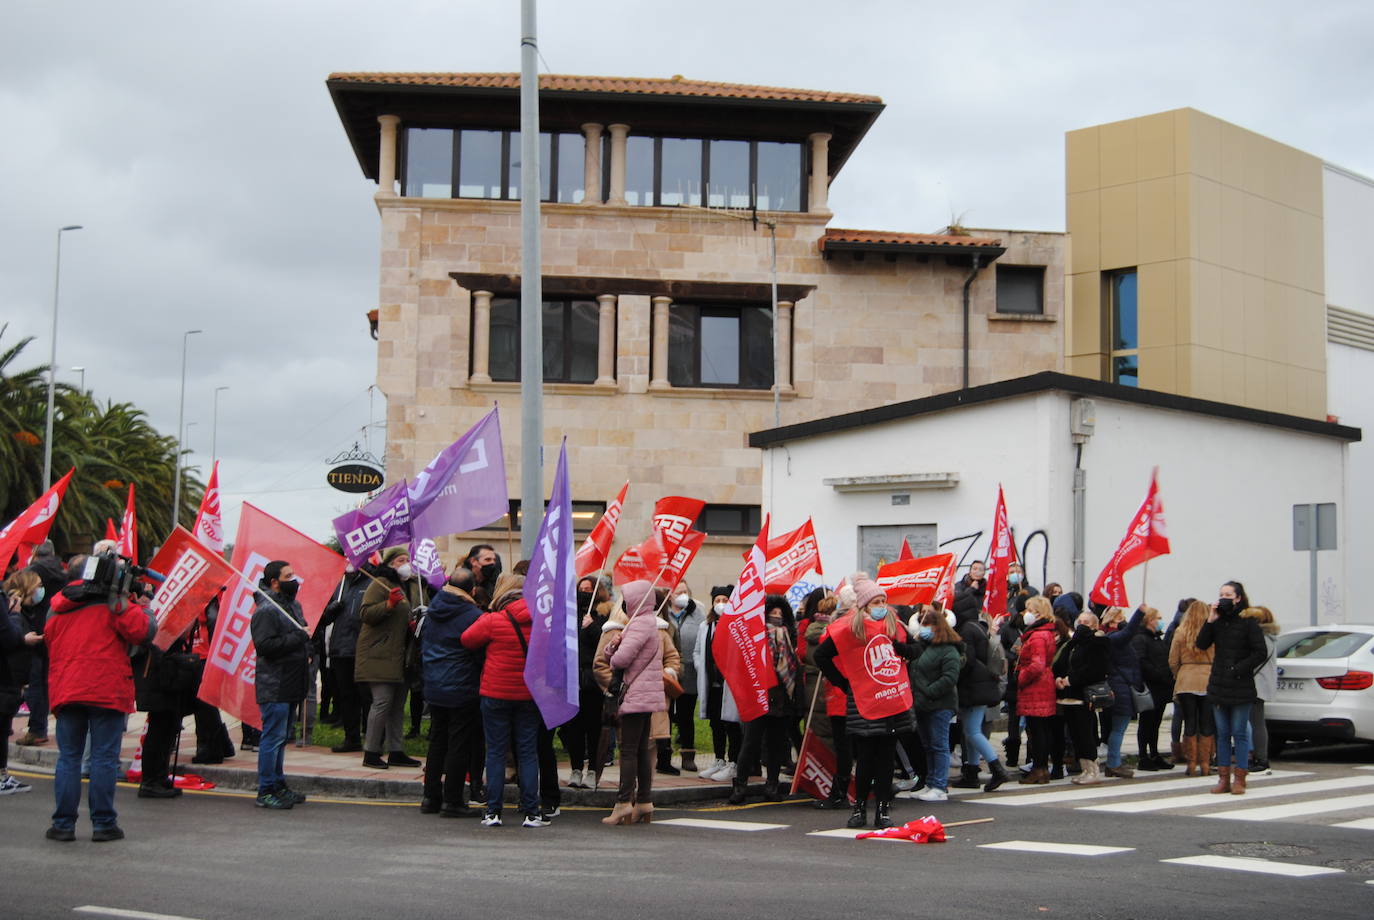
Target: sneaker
(63, 834)
(934, 795)
(491, 819)
(537, 819)
(11, 786)
(912, 793)
(29, 739)
(905, 785)
(553, 812)
(286, 792)
(726, 773)
(575, 779)
(107, 834)
(708, 771)
(271, 800)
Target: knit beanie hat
(391, 552)
(867, 591)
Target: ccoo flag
(464, 486)
(1146, 538)
(128, 530)
(31, 528)
(551, 665)
(195, 573)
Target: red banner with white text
(916, 581)
(194, 574)
(791, 556)
(1001, 557)
(674, 517)
(592, 555)
(1146, 538)
(740, 643)
(31, 527)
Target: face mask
(288, 589)
(404, 572)
(1225, 605)
(489, 573)
(349, 569)
(1014, 578)
(877, 613)
(1159, 627)
(925, 632)
(681, 601)
(720, 609)
(1028, 618)
(949, 618)
(39, 595)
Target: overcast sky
(198, 146)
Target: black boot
(999, 776)
(839, 795)
(739, 789)
(881, 819)
(859, 816)
(968, 777)
(665, 759)
(772, 791)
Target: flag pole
(1144, 577)
(801, 754)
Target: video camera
(110, 577)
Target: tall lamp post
(82, 371)
(52, 360)
(214, 428)
(181, 412)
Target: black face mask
(287, 589)
(584, 601)
(1225, 606)
(489, 573)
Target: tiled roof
(888, 238)
(643, 86)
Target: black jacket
(978, 686)
(343, 615)
(452, 674)
(968, 601)
(1240, 651)
(1125, 668)
(167, 681)
(1153, 654)
(1084, 660)
(283, 651)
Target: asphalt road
(209, 856)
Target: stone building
(662, 200)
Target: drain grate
(1261, 850)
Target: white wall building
(1229, 477)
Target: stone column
(591, 164)
(618, 135)
(481, 337)
(820, 174)
(386, 162)
(658, 372)
(605, 352)
(784, 355)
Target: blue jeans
(976, 744)
(934, 730)
(106, 728)
(1233, 725)
(499, 719)
(272, 747)
(1120, 721)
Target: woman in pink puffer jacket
(639, 656)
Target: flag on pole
(31, 527)
(1146, 538)
(999, 561)
(110, 533)
(791, 556)
(382, 522)
(905, 553)
(550, 589)
(209, 529)
(644, 562)
(676, 569)
(674, 517)
(464, 486)
(740, 643)
(194, 573)
(128, 530)
(592, 555)
(916, 581)
(424, 558)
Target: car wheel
(1276, 745)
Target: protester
(212, 737)
(1123, 675)
(387, 607)
(19, 589)
(343, 617)
(91, 686)
(1240, 652)
(714, 702)
(685, 617)
(978, 690)
(283, 649)
(1192, 668)
(1019, 589)
(53, 576)
(1153, 654)
(582, 733)
(452, 676)
(1082, 662)
(1035, 691)
(935, 689)
(1266, 688)
(485, 566)
(637, 652)
(508, 709)
(765, 744)
(165, 686)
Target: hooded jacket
(1240, 652)
(283, 649)
(935, 676)
(452, 673)
(88, 652)
(640, 652)
(503, 670)
(1034, 675)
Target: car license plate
(1290, 684)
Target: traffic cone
(135, 774)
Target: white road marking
(130, 914)
(721, 825)
(1295, 809)
(1364, 824)
(1063, 849)
(842, 832)
(1245, 864)
(1370, 767)
(1206, 798)
(1070, 794)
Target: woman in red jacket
(1035, 697)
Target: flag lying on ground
(550, 590)
(194, 573)
(464, 486)
(916, 581)
(791, 556)
(740, 643)
(31, 527)
(128, 530)
(1146, 538)
(1003, 554)
(592, 556)
(209, 528)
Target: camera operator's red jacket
(88, 653)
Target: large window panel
(682, 345)
(639, 170)
(779, 182)
(504, 355)
(572, 330)
(756, 337)
(680, 172)
(479, 164)
(545, 165)
(1124, 313)
(429, 163)
(572, 150)
(729, 174)
(720, 348)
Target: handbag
(671, 688)
(1142, 699)
(615, 695)
(1099, 695)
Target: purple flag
(384, 521)
(424, 556)
(551, 665)
(464, 486)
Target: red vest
(876, 673)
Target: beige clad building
(661, 201)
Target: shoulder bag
(1142, 699)
(1099, 695)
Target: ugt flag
(231, 668)
(740, 643)
(1146, 538)
(424, 557)
(32, 526)
(916, 581)
(382, 522)
(790, 557)
(464, 486)
(128, 530)
(550, 590)
(209, 528)
(999, 561)
(194, 573)
(597, 548)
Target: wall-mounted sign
(355, 470)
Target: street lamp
(82, 371)
(181, 412)
(214, 428)
(52, 359)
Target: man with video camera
(91, 687)
(283, 648)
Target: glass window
(479, 164)
(503, 360)
(719, 344)
(756, 337)
(729, 171)
(1332, 644)
(682, 344)
(584, 516)
(545, 165)
(572, 150)
(639, 170)
(779, 180)
(712, 346)
(1123, 287)
(1126, 370)
(728, 520)
(572, 330)
(680, 172)
(429, 163)
(1021, 289)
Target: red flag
(791, 556)
(232, 665)
(110, 533)
(916, 581)
(208, 528)
(740, 644)
(1146, 538)
(816, 769)
(686, 552)
(592, 555)
(194, 574)
(128, 529)
(37, 529)
(674, 516)
(1002, 555)
(15, 531)
(644, 562)
(905, 552)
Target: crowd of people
(890, 690)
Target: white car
(1326, 686)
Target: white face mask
(720, 609)
(404, 572)
(1028, 618)
(680, 602)
(949, 618)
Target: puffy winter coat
(88, 652)
(283, 652)
(380, 656)
(452, 673)
(503, 671)
(978, 685)
(1125, 670)
(345, 615)
(935, 676)
(1034, 676)
(1084, 660)
(640, 655)
(1241, 652)
(1153, 654)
